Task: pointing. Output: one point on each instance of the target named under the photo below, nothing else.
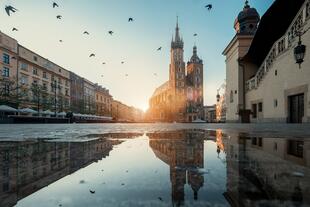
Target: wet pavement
(146, 165)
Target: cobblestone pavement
(22, 131)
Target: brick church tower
(177, 77)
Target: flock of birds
(10, 10)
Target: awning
(27, 111)
(5, 108)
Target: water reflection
(267, 171)
(205, 168)
(183, 152)
(29, 166)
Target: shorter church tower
(194, 83)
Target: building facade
(264, 83)
(48, 84)
(103, 101)
(181, 97)
(29, 80)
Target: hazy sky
(135, 42)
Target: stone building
(264, 83)
(181, 97)
(103, 101)
(35, 82)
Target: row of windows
(24, 66)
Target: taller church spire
(177, 42)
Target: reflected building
(183, 151)
(267, 171)
(29, 166)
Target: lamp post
(299, 51)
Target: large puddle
(172, 168)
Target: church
(268, 64)
(180, 99)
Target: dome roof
(247, 16)
(248, 13)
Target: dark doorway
(296, 108)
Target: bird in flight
(208, 6)
(155, 74)
(195, 35)
(14, 29)
(122, 62)
(87, 33)
(130, 19)
(55, 5)
(60, 41)
(126, 76)
(111, 32)
(92, 191)
(9, 9)
(159, 48)
(58, 16)
(103, 63)
(92, 55)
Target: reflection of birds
(102, 77)
(155, 74)
(130, 19)
(123, 183)
(92, 191)
(111, 32)
(209, 6)
(126, 75)
(58, 16)
(126, 171)
(195, 35)
(14, 29)
(87, 33)
(9, 9)
(159, 48)
(92, 55)
(160, 198)
(55, 5)
(122, 62)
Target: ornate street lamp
(299, 51)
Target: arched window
(231, 96)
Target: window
(44, 86)
(23, 66)
(35, 82)
(60, 70)
(67, 92)
(295, 148)
(6, 72)
(275, 103)
(6, 89)
(260, 107)
(35, 71)
(6, 58)
(24, 80)
(254, 111)
(231, 97)
(35, 58)
(275, 72)
(44, 75)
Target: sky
(135, 42)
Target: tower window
(231, 96)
